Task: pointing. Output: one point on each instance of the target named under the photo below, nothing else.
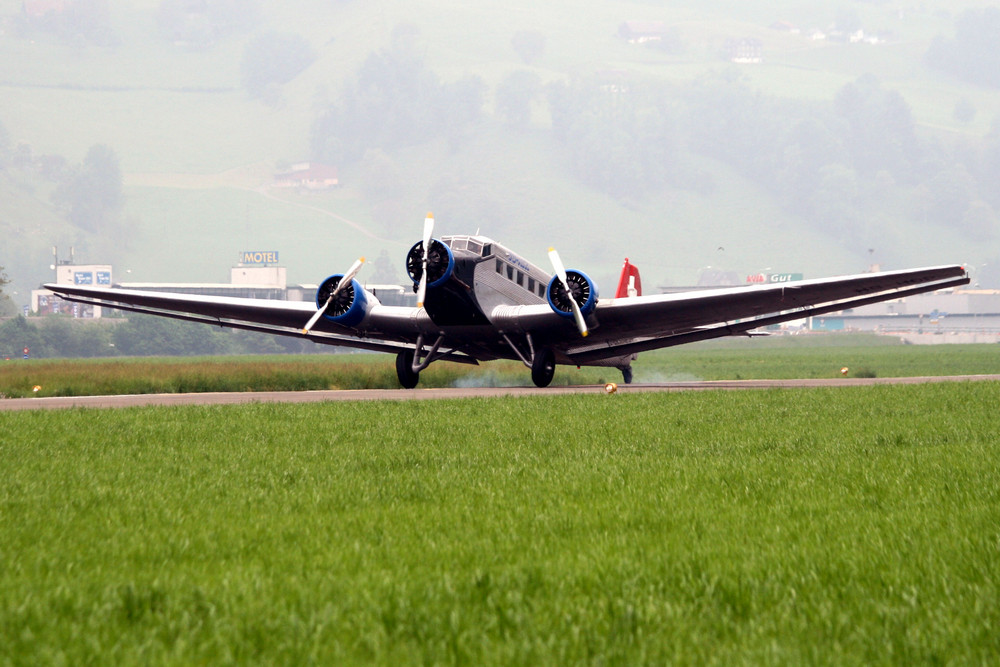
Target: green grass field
(824, 526)
(780, 357)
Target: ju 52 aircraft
(479, 301)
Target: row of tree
(837, 163)
(972, 53)
(60, 337)
(91, 194)
(7, 307)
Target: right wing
(636, 324)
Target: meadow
(822, 526)
(779, 357)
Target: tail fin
(629, 284)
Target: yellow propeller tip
(551, 248)
(430, 215)
(362, 260)
(585, 334)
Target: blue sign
(103, 277)
(83, 277)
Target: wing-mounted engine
(440, 263)
(582, 290)
(348, 306)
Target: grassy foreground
(825, 526)
(780, 357)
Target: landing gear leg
(543, 367)
(627, 375)
(408, 378)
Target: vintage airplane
(478, 301)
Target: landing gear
(627, 375)
(543, 367)
(408, 377)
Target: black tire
(627, 375)
(543, 367)
(408, 378)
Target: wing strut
(429, 356)
(527, 361)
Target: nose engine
(440, 263)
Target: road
(133, 400)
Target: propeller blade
(561, 274)
(428, 233)
(558, 266)
(345, 280)
(349, 276)
(315, 318)
(578, 316)
(422, 288)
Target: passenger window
(510, 272)
(499, 266)
(520, 278)
(531, 284)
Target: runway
(136, 400)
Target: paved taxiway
(133, 400)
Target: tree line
(137, 336)
(839, 163)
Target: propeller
(428, 231)
(561, 274)
(345, 280)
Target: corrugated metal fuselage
(485, 275)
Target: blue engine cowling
(583, 290)
(440, 263)
(350, 305)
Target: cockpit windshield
(468, 243)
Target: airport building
(948, 316)
(44, 302)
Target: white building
(45, 302)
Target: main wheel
(627, 374)
(543, 367)
(408, 378)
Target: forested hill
(813, 137)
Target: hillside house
(37, 9)
(308, 176)
(746, 50)
(640, 32)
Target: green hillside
(197, 152)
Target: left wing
(630, 325)
(387, 328)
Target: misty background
(698, 138)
